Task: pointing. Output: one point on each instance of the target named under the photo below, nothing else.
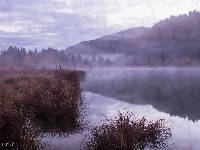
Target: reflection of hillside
(174, 92)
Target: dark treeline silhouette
(170, 42)
(50, 57)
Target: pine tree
(79, 56)
(1, 53)
(73, 58)
(93, 58)
(36, 52)
(30, 52)
(100, 61)
(107, 62)
(86, 62)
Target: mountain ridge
(175, 37)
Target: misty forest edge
(172, 42)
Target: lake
(169, 93)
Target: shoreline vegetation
(125, 132)
(156, 67)
(36, 103)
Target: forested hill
(173, 41)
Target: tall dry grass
(32, 101)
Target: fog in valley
(151, 71)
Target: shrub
(128, 133)
(15, 126)
(32, 103)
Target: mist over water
(185, 133)
(172, 94)
(140, 56)
(172, 90)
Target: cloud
(63, 23)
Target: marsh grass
(34, 102)
(125, 132)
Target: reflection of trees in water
(19, 132)
(60, 127)
(95, 75)
(174, 91)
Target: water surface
(172, 94)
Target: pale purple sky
(63, 23)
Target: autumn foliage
(128, 133)
(32, 101)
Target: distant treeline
(19, 57)
(170, 42)
(173, 41)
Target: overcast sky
(63, 23)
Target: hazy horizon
(63, 23)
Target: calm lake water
(172, 94)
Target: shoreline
(134, 68)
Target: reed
(31, 100)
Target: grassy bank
(34, 102)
